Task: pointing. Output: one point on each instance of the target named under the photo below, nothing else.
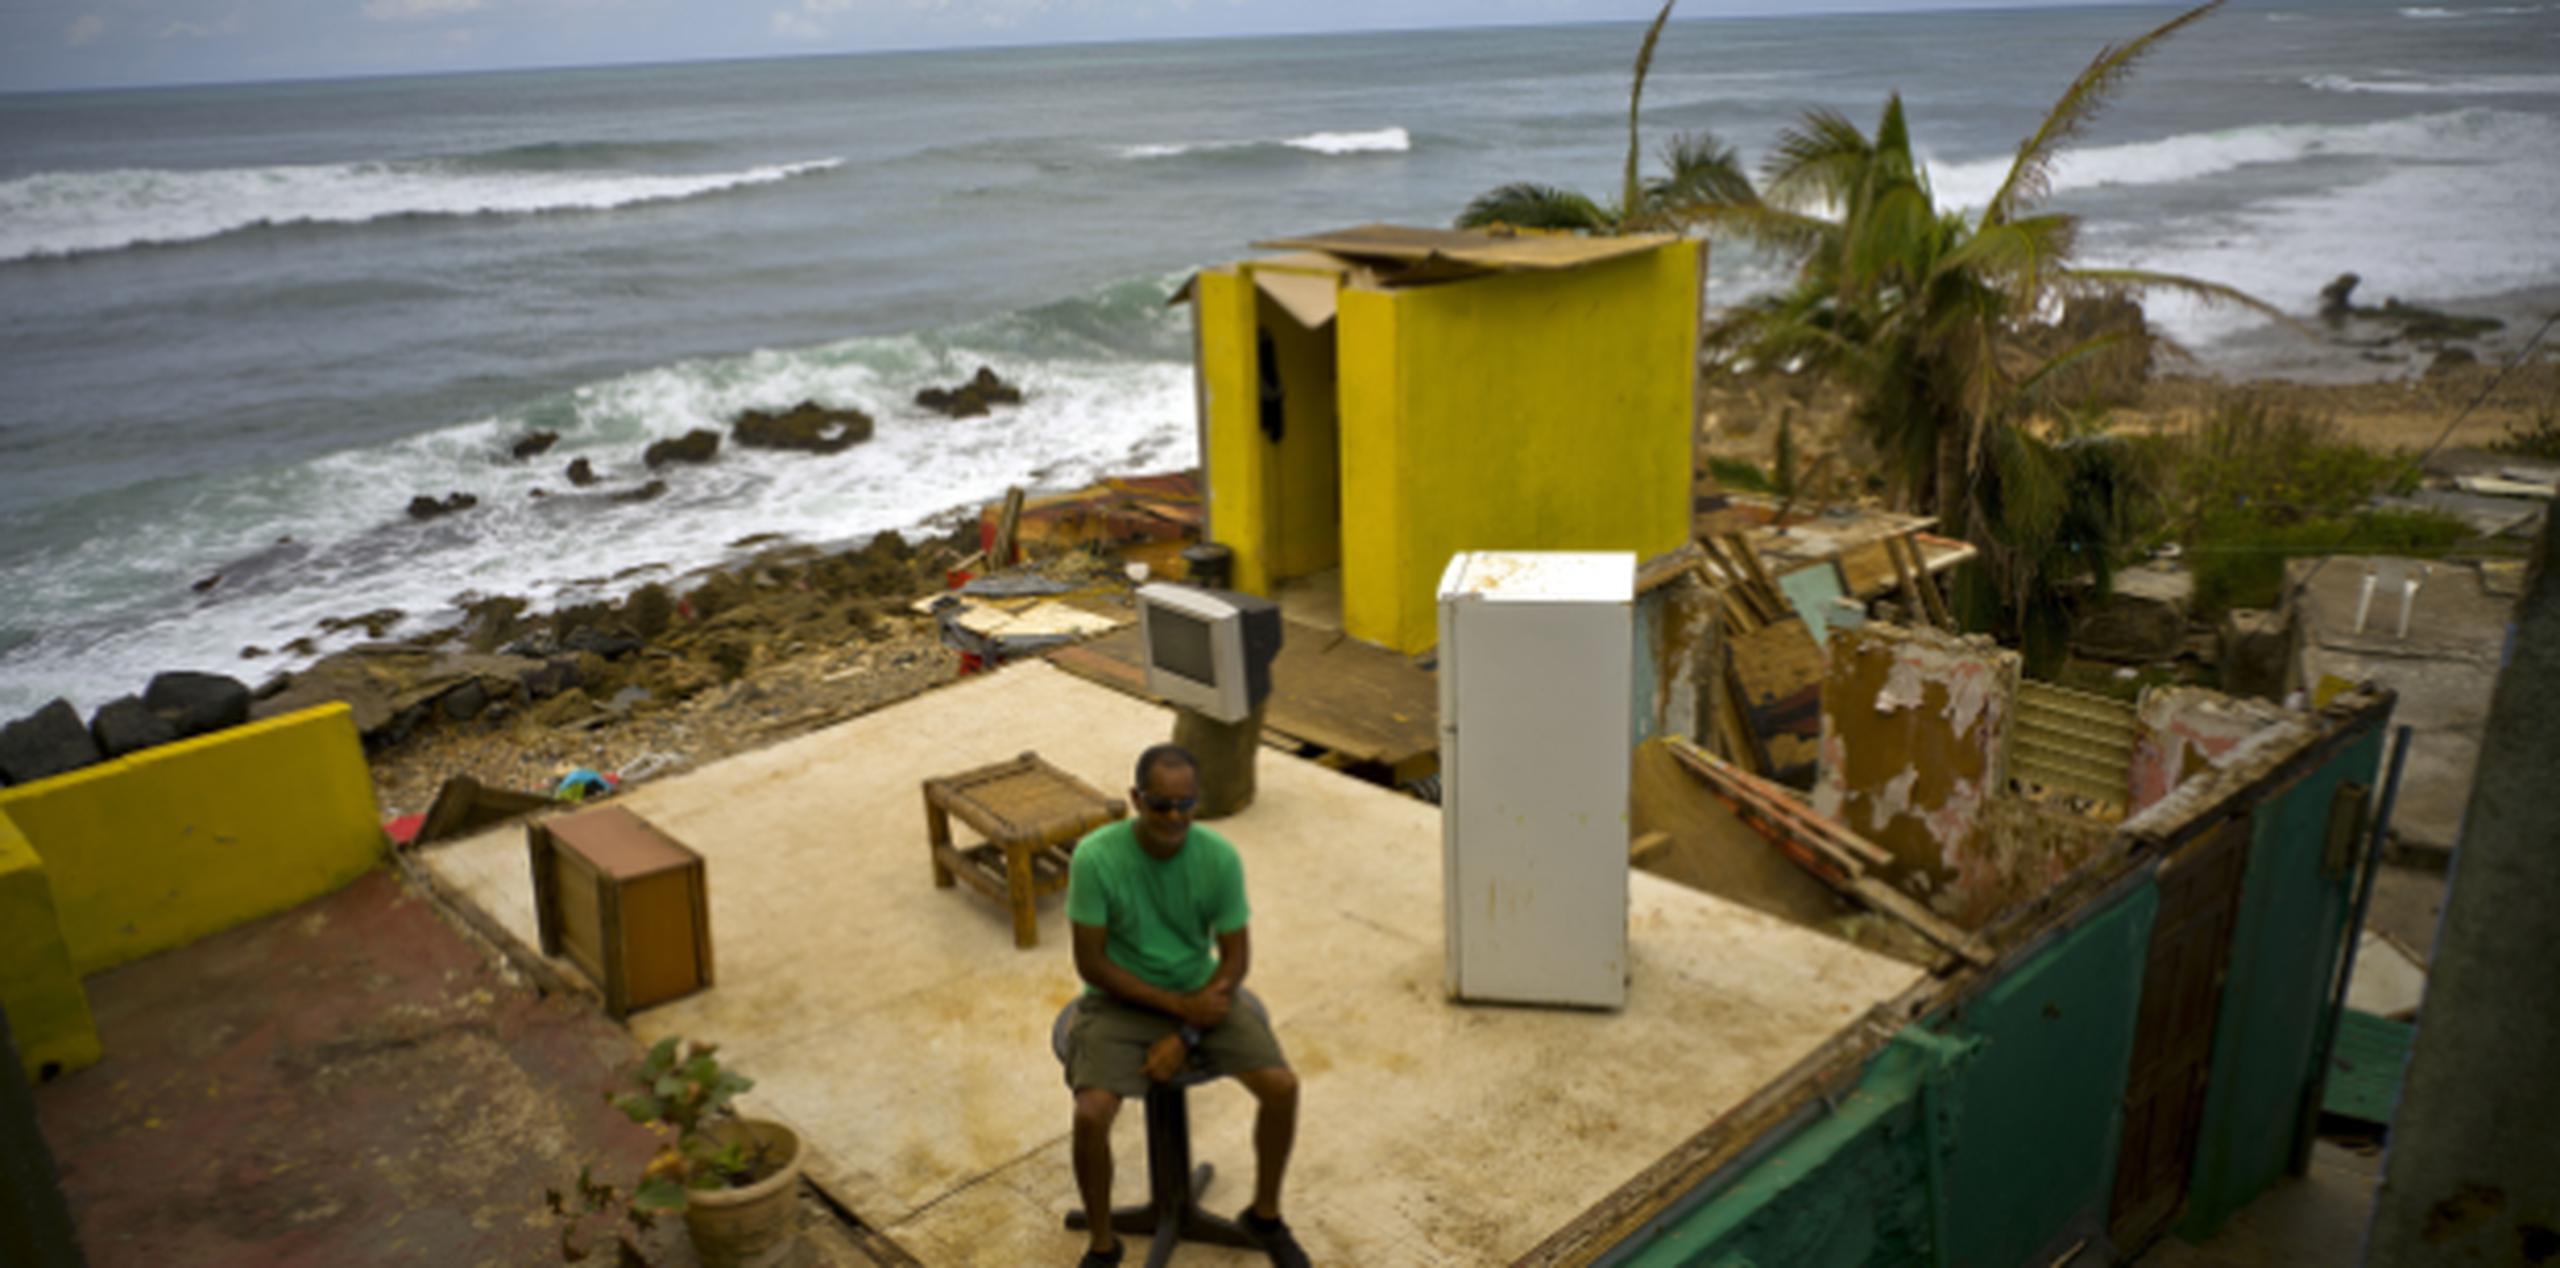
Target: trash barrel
(1208, 565)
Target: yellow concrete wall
(1236, 474)
(1305, 487)
(173, 843)
(48, 1012)
(1518, 411)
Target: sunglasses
(1168, 805)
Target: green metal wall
(2041, 1105)
(1979, 1144)
(1853, 1188)
(2283, 949)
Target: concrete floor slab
(900, 1029)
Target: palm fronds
(2030, 178)
(1635, 100)
(1530, 205)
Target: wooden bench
(1031, 814)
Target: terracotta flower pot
(755, 1226)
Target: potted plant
(735, 1179)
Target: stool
(1031, 814)
(1172, 1211)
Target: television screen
(1179, 645)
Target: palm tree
(1699, 172)
(1920, 309)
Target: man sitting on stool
(1145, 896)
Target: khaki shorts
(1107, 1045)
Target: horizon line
(999, 46)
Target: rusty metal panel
(2174, 1031)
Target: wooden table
(1031, 813)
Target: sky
(65, 44)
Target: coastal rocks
(423, 507)
(697, 446)
(374, 624)
(644, 493)
(808, 427)
(391, 688)
(197, 703)
(533, 446)
(48, 742)
(126, 725)
(2417, 323)
(581, 472)
(973, 398)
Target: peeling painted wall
(2181, 731)
(1913, 726)
(1676, 659)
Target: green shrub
(2238, 556)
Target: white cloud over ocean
(84, 29)
(417, 10)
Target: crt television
(1208, 650)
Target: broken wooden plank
(1874, 892)
(1855, 853)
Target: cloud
(84, 29)
(807, 21)
(229, 25)
(416, 10)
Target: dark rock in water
(465, 702)
(126, 725)
(207, 584)
(644, 493)
(973, 398)
(47, 742)
(581, 473)
(534, 445)
(253, 652)
(197, 703)
(374, 624)
(304, 646)
(807, 426)
(2336, 302)
(698, 445)
(423, 507)
(996, 391)
(2427, 324)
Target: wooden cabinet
(625, 902)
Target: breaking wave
(1107, 389)
(71, 213)
(1330, 144)
(2471, 86)
(2475, 133)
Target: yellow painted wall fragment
(48, 1011)
(161, 848)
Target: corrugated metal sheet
(2074, 742)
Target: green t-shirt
(1164, 914)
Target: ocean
(245, 325)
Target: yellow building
(1381, 398)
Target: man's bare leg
(1095, 1108)
(1275, 1130)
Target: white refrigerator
(1536, 660)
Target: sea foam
(1390, 140)
(120, 606)
(69, 213)
(2476, 133)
